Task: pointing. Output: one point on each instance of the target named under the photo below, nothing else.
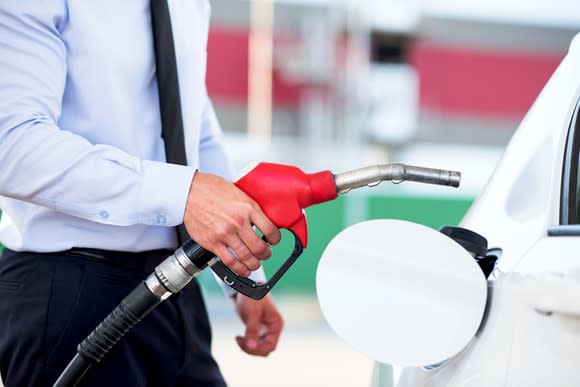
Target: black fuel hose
(74, 371)
(169, 277)
(91, 350)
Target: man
(90, 204)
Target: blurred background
(339, 84)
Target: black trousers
(50, 302)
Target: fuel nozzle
(283, 192)
(397, 173)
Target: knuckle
(222, 231)
(238, 221)
(250, 207)
(244, 205)
(234, 220)
(211, 239)
(219, 234)
(244, 255)
(231, 262)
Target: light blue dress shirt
(81, 153)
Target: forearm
(45, 165)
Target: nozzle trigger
(247, 286)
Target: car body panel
(530, 335)
(522, 198)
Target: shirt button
(104, 214)
(161, 219)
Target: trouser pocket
(82, 296)
(25, 284)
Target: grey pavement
(309, 354)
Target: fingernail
(252, 344)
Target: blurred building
(439, 83)
(393, 71)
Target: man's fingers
(218, 214)
(268, 342)
(270, 337)
(268, 228)
(252, 332)
(263, 325)
(254, 243)
(242, 252)
(242, 343)
(264, 346)
(231, 261)
(244, 255)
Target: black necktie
(168, 85)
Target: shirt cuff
(165, 191)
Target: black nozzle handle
(249, 287)
(198, 256)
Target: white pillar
(260, 70)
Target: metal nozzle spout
(397, 173)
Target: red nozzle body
(284, 191)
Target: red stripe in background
(227, 64)
(478, 81)
(455, 80)
(227, 70)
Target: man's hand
(263, 325)
(219, 216)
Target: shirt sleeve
(213, 158)
(50, 167)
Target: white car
(529, 212)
